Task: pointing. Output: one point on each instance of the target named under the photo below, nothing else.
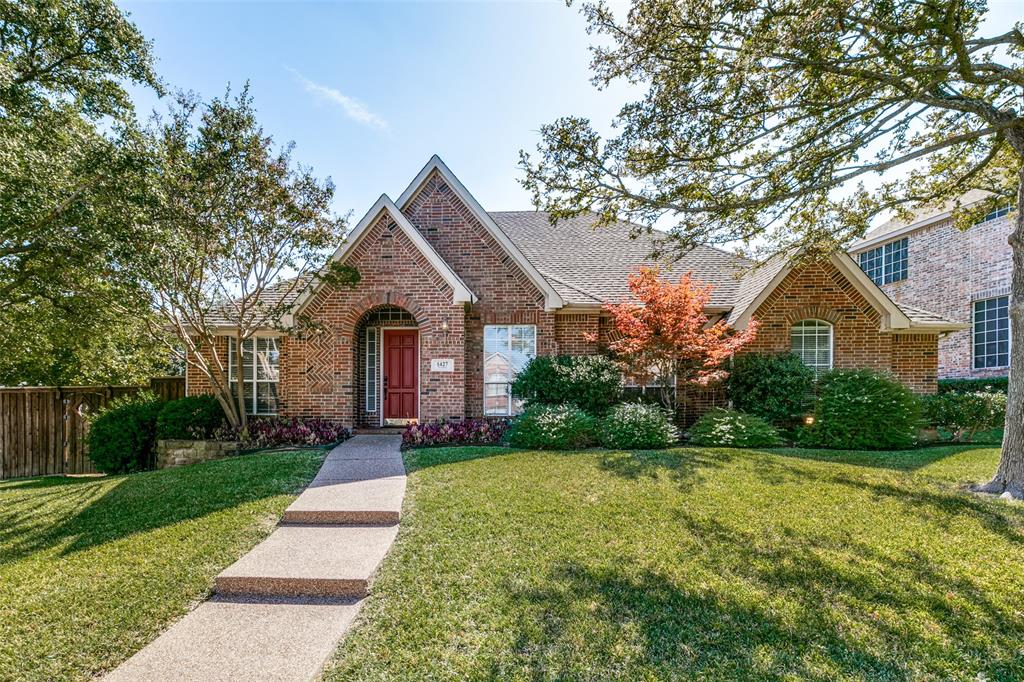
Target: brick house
(962, 275)
(453, 300)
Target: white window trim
(1009, 333)
(372, 387)
(831, 343)
(508, 394)
(255, 382)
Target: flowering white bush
(553, 427)
(637, 425)
(733, 429)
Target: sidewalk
(279, 612)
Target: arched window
(812, 341)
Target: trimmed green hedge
(859, 409)
(193, 418)
(591, 382)
(122, 438)
(777, 388)
(996, 385)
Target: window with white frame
(991, 327)
(811, 340)
(996, 214)
(507, 349)
(260, 366)
(371, 369)
(886, 263)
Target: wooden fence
(42, 429)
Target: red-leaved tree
(664, 333)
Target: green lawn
(697, 564)
(93, 569)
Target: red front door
(401, 373)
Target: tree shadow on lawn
(936, 501)
(93, 511)
(685, 466)
(805, 608)
(898, 460)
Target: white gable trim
(892, 317)
(460, 292)
(552, 301)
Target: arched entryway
(387, 345)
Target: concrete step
(310, 561)
(225, 640)
(336, 469)
(368, 502)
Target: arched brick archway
(377, 299)
(813, 312)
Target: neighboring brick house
(453, 300)
(962, 275)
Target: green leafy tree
(73, 171)
(762, 120)
(241, 231)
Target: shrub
(122, 438)
(860, 409)
(196, 417)
(591, 382)
(468, 432)
(266, 432)
(733, 429)
(994, 385)
(552, 427)
(964, 414)
(777, 388)
(632, 426)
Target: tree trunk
(243, 417)
(1009, 478)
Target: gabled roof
(552, 299)
(590, 265)
(896, 228)
(460, 292)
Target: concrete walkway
(279, 611)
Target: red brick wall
(318, 369)
(505, 294)
(572, 331)
(823, 292)
(948, 269)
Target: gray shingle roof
(919, 316)
(589, 265)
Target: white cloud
(353, 108)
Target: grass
(92, 569)
(697, 564)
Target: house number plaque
(442, 365)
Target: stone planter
(177, 453)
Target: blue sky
(368, 91)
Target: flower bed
(467, 432)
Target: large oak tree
(72, 188)
(762, 120)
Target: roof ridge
(548, 275)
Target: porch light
(809, 419)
